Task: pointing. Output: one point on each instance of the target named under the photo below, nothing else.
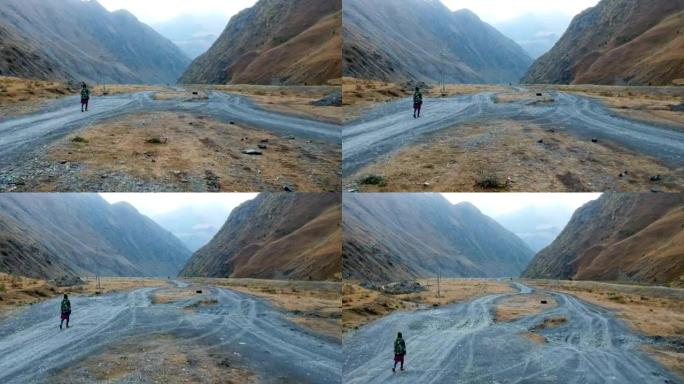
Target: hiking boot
(394, 370)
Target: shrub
(79, 139)
(374, 180)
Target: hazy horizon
(498, 11)
(537, 218)
(194, 218)
(150, 11)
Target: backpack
(66, 306)
(85, 93)
(417, 97)
(399, 347)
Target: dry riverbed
(656, 312)
(362, 305)
(505, 155)
(313, 305)
(167, 151)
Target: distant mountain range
(276, 236)
(50, 235)
(390, 236)
(424, 41)
(193, 34)
(194, 225)
(82, 41)
(628, 237)
(618, 42)
(536, 33)
(275, 42)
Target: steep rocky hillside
(48, 235)
(275, 42)
(276, 236)
(82, 41)
(419, 40)
(632, 237)
(395, 236)
(618, 42)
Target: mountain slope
(275, 41)
(82, 233)
(636, 237)
(395, 236)
(82, 41)
(276, 236)
(630, 42)
(419, 40)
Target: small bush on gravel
(490, 181)
(374, 180)
(156, 140)
(79, 139)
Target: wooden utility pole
(439, 277)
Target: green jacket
(418, 98)
(399, 347)
(66, 306)
(85, 93)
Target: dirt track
(21, 136)
(461, 343)
(33, 348)
(391, 126)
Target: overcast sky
(152, 204)
(498, 204)
(494, 11)
(153, 11)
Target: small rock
(63, 162)
(540, 141)
(232, 123)
(253, 152)
(594, 140)
(656, 178)
(621, 175)
(426, 184)
(288, 188)
(264, 141)
(263, 146)
(656, 190)
(291, 137)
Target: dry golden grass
(284, 99)
(361, 306)
(18, 291)
(649, 310)
(189, 146)
(519, 306)
(505, 155)
(21, 96)
(314, 305)
(160, 359)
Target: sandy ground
(361, 306)
(653, 311)
(191, 152)
(314, 305)
(157, 359)
(359, 95)
(505, 155)
(285, 99)
(18, 291)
